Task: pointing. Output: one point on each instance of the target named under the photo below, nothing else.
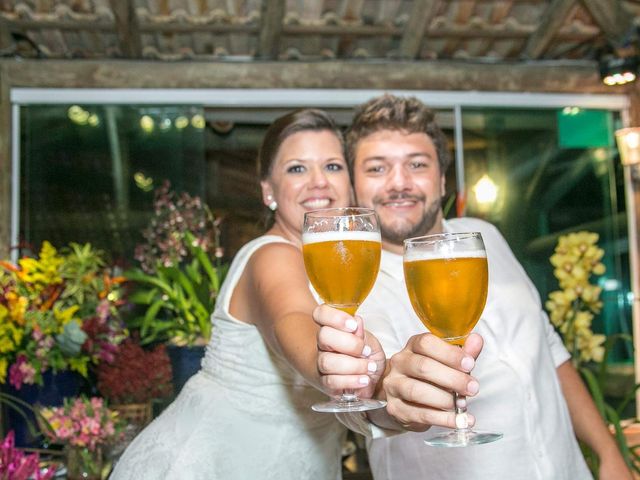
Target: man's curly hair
(390, 112)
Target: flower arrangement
(17, 465)
(572, 309)
(58, 311)
(177, 282)
(81, 422)
(136, 375)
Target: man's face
(398, 175)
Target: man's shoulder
(471, 224)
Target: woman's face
(309, 172)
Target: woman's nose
(318, 178)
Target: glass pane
(87, 172)
(537, 174)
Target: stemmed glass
(447, 280)
(341, 249)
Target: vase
(54, 389)
(84, 464)
(185, 362)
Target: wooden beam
(271, 16)
(127, 28)
(557, 77)
(550, 22)
(422, 13)
(612, 17)
(6, 40)
(5, 164)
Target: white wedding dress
(245, 415)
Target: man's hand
(348, 356)
(421, 378)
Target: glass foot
(461, 438)
(341, 406)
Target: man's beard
(397, 234)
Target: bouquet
(59, 311)
(136, 375)
(81, 422)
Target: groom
(523, 383)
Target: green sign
(580, 128)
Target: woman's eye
(335, 167)
(295, 169)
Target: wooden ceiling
(487, 31)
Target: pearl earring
(273, 205)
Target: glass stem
(348, 395)
(460, 407)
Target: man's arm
(589, 426)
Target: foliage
(177, 283)
(82, 422)
(17, 465)
(59, 311)
(136, 375)
(572, 309)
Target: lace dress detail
(245, 415)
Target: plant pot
(55, 388)
(185, 362)
(84, 464)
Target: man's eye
(416, 165)
(295, 169)
(375, 169)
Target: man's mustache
(398, 197)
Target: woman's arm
(279, 303)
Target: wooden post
(5, 164)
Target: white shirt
(520, 394)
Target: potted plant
(134, 379)
(59, 316)
(177, 281)
(572, 309)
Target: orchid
(572, 309)
(16, 465)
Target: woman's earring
(273, 205)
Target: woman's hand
(348, 356)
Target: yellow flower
(3, 369)
(43, 271)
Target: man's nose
(399, 178)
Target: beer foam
(317, 237)
(416, 254)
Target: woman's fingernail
(461, 402)
(467, 364)
(473, 387)
(372, 367)
(351, 325)
(366, 351)
(363, 380)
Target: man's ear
(443, 185)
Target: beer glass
(341, 249)
(447, 279)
